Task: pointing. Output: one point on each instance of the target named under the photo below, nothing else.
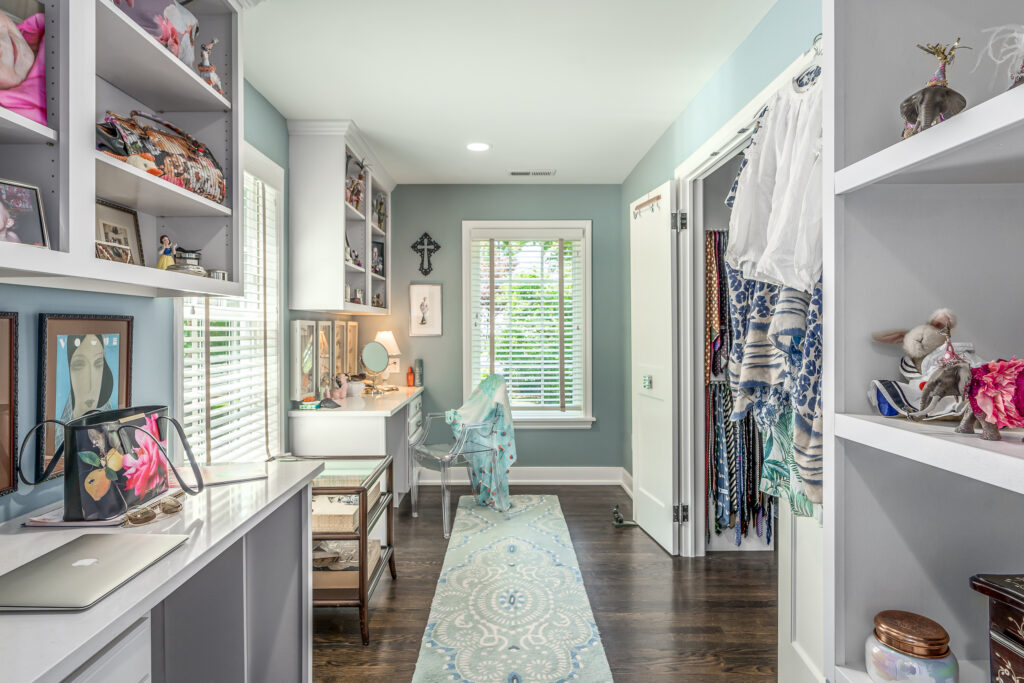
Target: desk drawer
(416, 408)
(415, 425)
(127, 658)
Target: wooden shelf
(349, 597)
(372, 518)
(971, 671)
(134, 62)
(352, 213)
(120, 183)
(15, 129)
(983, 144)
(354, 268)
(999, 463)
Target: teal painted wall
(784, 33)
(153, 350)
(440, 210)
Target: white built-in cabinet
(323, 224)
(912, 511)
(99, 60)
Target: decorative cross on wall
(426, 247)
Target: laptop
(78, 574)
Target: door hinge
(678, 220)
(680, 513)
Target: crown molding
(347, 129)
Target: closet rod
(647, 203)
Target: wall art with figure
(425, 315)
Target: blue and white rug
(510, 605)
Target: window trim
(532, 420)
(257, 164)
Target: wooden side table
(356, 476)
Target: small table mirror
(375, 361)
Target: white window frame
(531, 420)
(261, 166)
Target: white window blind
(231, 389)
(528, 313)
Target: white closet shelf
(354, 268)
(998, 463)
(133, 61)
(377, 277)
(971, 671)
(363, 308)
(120, 183)
(15, 129)
(983, 144)
(376, 230)
(353, 213)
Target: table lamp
(387, 338)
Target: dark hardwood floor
(661, 618)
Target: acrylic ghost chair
(442, 457)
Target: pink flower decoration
(146, 470)
(169, 36)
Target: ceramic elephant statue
(992, 395)
(931, 105)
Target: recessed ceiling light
(478, 147)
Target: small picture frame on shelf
(117, 234)
(324, 346)
(340, 348)
(377, 258)
(8, 401)
(21, 215)
(304, 359)
(425, 314)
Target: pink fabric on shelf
(29, 97)
(998, 392)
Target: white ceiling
(581, 86)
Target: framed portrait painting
(85, 365)
(21, 215)
(425, 310)
(8, 401)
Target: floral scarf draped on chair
(488, 469)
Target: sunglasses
(168, 505)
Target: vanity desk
(232, 604)
(363, 425)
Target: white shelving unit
(913, 510)
(99, 60)
(323, 222)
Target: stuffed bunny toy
(920, 341)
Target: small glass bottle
(908, 647)
(410, 377)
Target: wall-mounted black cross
(426, 247)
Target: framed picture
(303, 359)
(377, 258)
(117, 234)
(352, 355)
(85, 364)
(425, 310)
(8, 401)
(325, 360)
(340, 348)
(21, 215)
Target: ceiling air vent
(536, 172)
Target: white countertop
(40, 646)
(375, 406)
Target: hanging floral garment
(491, 461)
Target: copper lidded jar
(908, 647)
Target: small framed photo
(85, 364)
(425, 313)
(117, 234)
(21, 215)
(8, 401)
(377, 258)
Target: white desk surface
(366, 406)
(50, 646)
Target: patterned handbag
(174, 156)
(114, 460)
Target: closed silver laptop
(80, 573)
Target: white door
(801, 598)
(652, 268)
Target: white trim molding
(545, 476)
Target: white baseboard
(546, 476)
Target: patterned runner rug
(510, 605)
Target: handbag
(168, 22)
(113, 461)
(174, 156)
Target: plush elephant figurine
(992, 395)
(936, 102)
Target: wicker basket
(334, 514)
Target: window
(230, 351)
(527, 316)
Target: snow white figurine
(167, 251)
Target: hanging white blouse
(792, 253)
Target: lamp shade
(387, 338)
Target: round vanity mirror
(375, 357)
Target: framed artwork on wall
(425, 310)
(324, 346)
(304, 356)
(117, 234)
(21, 215)
(85, 364)
(8, 401)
